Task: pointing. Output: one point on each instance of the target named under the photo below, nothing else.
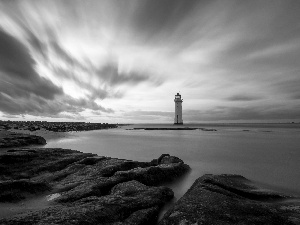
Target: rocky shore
(231, 199)
(83, 188)
(11, 139)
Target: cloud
(68, 56)
(246, 113)
(40, 50)
(149, 113)
(288, 87)
(38, 106)
(150, 116)
(156, 17)
(100, 78)
(111, 75)
(243, 97)
(23, 91)
(17, 69)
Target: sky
(123, 61)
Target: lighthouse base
(178, 123)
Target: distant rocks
(84, 188)
(231, 199)
(207, 129)
(10, 139)
(54, 126)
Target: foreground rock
(230, 199)
(83, 188)
(11, 139)
(128, 203)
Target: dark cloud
(290, 88)
(85, 104)
(267, 35)
(11, 116)
(38, 106)
(153, 17)
(17, 69)
(243, 97)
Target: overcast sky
(123, 61)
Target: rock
(229, 199)
(84, 188)
(144, 216)
(154, 175)
(17, 156)
(167, 159)
(29, 163)
(10, 139)
(15, 190)
(55, 126)
(138, 207)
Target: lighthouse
(178, 110)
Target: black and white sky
(123, 61)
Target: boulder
(128, 203)
(10, 139)
(86, 188)
(15, 190)
(230, 199)
(154, 175)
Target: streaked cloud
(18, 76)
(125, 60)
(243, 97)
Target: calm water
(268, 154)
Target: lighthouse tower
(178, 109)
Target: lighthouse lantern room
(178, 110)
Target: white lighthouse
(178, 109)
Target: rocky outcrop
(10, 139)
(231, 199)
(128, 203)
(15, 190)
(85, 188)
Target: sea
(266, 154)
